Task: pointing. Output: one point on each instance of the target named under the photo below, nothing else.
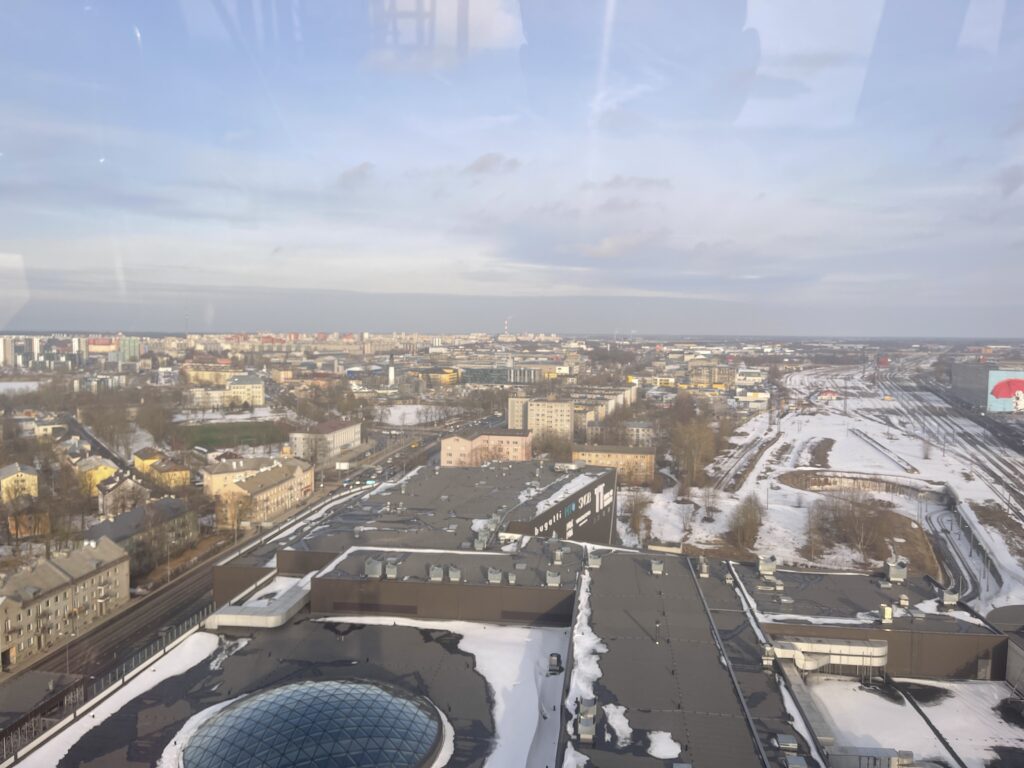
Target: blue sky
(770, 166)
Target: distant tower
(391, 370)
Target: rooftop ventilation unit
(512, 577)
(787, 742)
(593, 559)
(554, 663)
(391, 569)
(494, 575)
(436, 573)
(702, 567)
(558, 556)
(766, 565)
(657, 567)
(896, 570)
(885, 611)
(554, 579)
(904, 601)
(950, 598)
(454, 573)
(373, 568)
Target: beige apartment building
(220, 477)
(16, 481)
(265, 494)
(471, 449)
(42, 604)
(326, 441)
(635, 466)
(541, 417)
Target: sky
(799, 167)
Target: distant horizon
(848, 169)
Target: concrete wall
(229, 580)
(957, 656)
(444, 600)
(292, 562)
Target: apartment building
(635, 466)
(18, 481)
(119, 493)
(476, 447)
(42, 603)
(93, 470)
(541, 417)
(247, 388)
(326, 441)
(266, 494)
(240, 390)
(151, 532)
(219, 478)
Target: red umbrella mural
(1008, 388)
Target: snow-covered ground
(669, 520)
(514, 661)
(409, 415)
(182, 658)
(262, 413)
(882, 415)
(18, 387)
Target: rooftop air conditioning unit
(512, 577)
(553, 579)
(657, 567)
(391, 569)
(373, 568)
(494, 575)
(593, 559)
(454, 573)
(766, 565)
(436, 573)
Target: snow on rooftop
(867, 718)
(577, 483)
(615, 715)
(966, 713)
(191, 651)
(514, 661)
(663, 746)
(586, 646)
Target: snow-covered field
(409, 415)
(18, 387)
(263, 413)
(514, 661)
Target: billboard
(1006, 392)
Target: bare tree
(635, 505)
(746, 522)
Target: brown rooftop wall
(937, 655)
(229, 580)
(505, 604)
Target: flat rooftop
(530, 564)
(845, 597)
(670, 677)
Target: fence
(49, 717)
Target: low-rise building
(49, 599)
(246, 389)
(475, 447)
(93, 470)
(18, 481)
(326, 441)
(220, 477)
(119, 493)
(151, 532)
(170, 474)
(266, 494)
(635, 466)
(144, 458)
